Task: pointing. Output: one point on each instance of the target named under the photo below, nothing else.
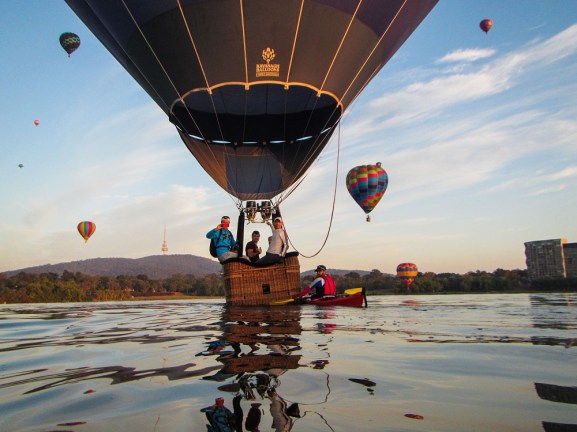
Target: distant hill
(155, 266)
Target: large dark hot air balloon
(486, 25)
(407, 272)
(255, 88)
(70, 42)
(367, 184)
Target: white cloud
(467, 55)
(563, 174)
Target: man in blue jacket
(223, 239)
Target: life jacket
(330, 286)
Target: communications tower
(164, 245)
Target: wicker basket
(254, 363)
(249, 285)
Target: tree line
(79, 287)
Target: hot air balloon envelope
(486, 25)
(36, 122)
(254, 88)
(407, 272)
(86, 229)
(70, 42)
(367, 184)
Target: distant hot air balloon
(367, 185)
(86, 229)
(407, 272)
(486, 25)
(36, 122)
(70, 42)
(20, 166)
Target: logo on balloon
(267, 69)
(268, 55)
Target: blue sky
(476, 131)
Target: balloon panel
(408, 282)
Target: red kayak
(354, 297)
(354, 300)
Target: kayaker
(322, 286)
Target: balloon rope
(333, 207)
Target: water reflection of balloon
(407, 272)
(486, 25)
(86, 229)
(258, 113)
(367, 184)
(70, 42)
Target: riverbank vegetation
(79, 287)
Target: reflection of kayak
(355, 300)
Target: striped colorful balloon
(86, 229)
(367, 184)
(407, 272)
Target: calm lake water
(453, 362)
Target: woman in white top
(278, 246)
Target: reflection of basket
(261, 325)
(245, 284)
(254, 331)
(254, 363)
(274, 317)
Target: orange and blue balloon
(367, 184)
(86, 229)
(407, 272)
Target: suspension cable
(333, 206)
